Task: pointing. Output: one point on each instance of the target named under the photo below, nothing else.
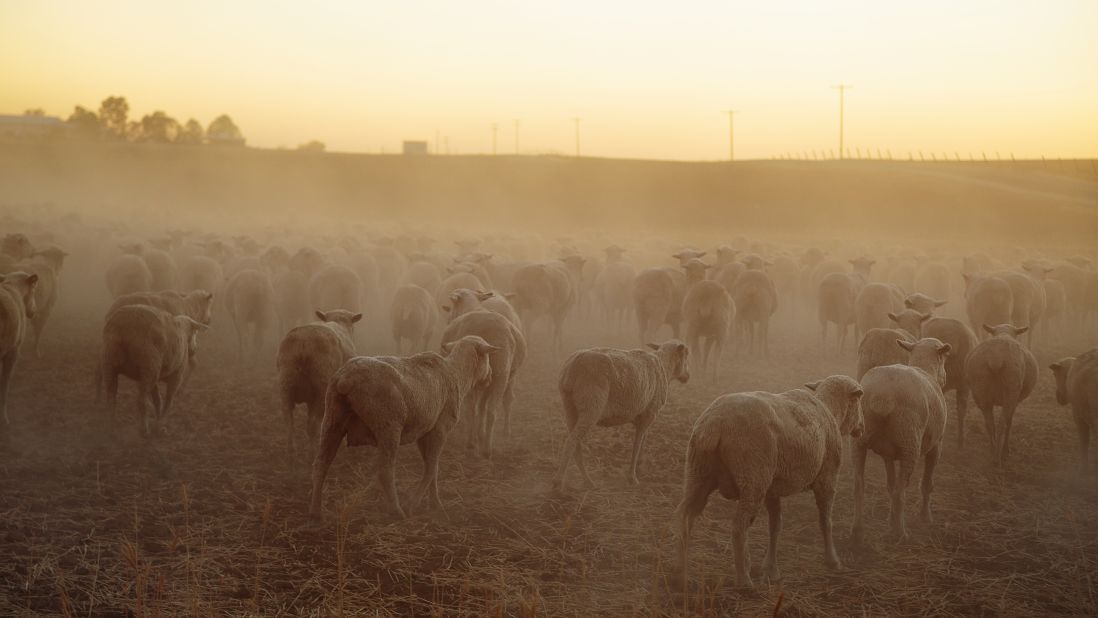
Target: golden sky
(648, 79)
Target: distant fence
(1072, 167)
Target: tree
(113, 113)
(36, 111)
(312, 146)
(159, 127)
(224, 131)
(85, 122)
(191, 133)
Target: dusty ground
(211, 519)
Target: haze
(649, 80)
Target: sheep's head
(189, 329)
(929, 355)
(342, 317)
(910, 320)
(52, 255)
(922, 303)
(695, 269)
(843, 397)
(23, 284)
(202, 301)
(476, 352)
(863, 265)
(1060, 370)
(17, 245)
(686, 255)
(674, 355)
(1005, 330)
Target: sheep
(784, 273)
(922, 303)
(336, 287)
(249, 297)
(128, 273)
(728, 274)
(613, 289)
(47, 264)
(708, 311)
(1028, 296)
(413, 317)
(836, 304)
(308, 357)
(910, 321)
(507, 356)
(150, 346)
(932, 279)
(307, 261)
(988, 300)
(162, 268)
(1077, 384)
(197, 305)
(544, 290)
(653, 294)
(758, 448)
(871, 308)
(275, 258)
(609, 387)
(878, 348)
(685, 255)
(17, 308)
(200, 272)
(387, 401)
(17, 246)
(291, 298)
(1001, 372)
(755, 300)
(425, 275)
(464, 300)
(905, 418)
(1056, 306)
(457, 281)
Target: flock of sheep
(486, 313)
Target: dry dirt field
(211, 519)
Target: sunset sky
(649, 79)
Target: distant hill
(1022, 200)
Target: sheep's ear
(708, 266)
(677, 256)
(945, 349)
(1049, 270)
(1055, 367)
(852, 262)
(923, 317)
(653, 346)
(908, 303)
(702, 254)
(857, 393)
(2, 276)
(907, 345)
(445, 308)
(939, 303)
(510, 295)
(768, 262)
(320, 315)
(455, 297)
(812, 386)
(356, 317)
(33, 279)
(487, 348)
(989, 330)
(207, 295)
(482, 296)
(967, 277)
(1017, 331)
(893, 317)
(447, 347)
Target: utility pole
(437, 151)
(842, 88)
(731, 136)
(495, 130)
(577, 121)
(516, 135)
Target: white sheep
(608, 387)
(905, 419)
(197, 304)
(543, 291)
(1077, 385)
(614, 291)
(923, 303)
(128, 273)
(653, 299)
(757, 448)
(336, 287)
(17, 307)
(162, 268)
(149, 346)
(250, 300)
(988, 300)
(962, 341)
(878, 348)
(708, 311)
(47, 264)
(412, 317)
(424, 274)
(506, 358)
(291, 298)
(835, 304)
(386, 401)
(308, 357)
(755, 301)
(1001, 372)
(200, 272)
(871, 308)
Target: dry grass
(211, 520)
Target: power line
(842, 88)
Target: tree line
(112, 121)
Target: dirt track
(211, 519)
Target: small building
(415, 147)
(26, 126)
